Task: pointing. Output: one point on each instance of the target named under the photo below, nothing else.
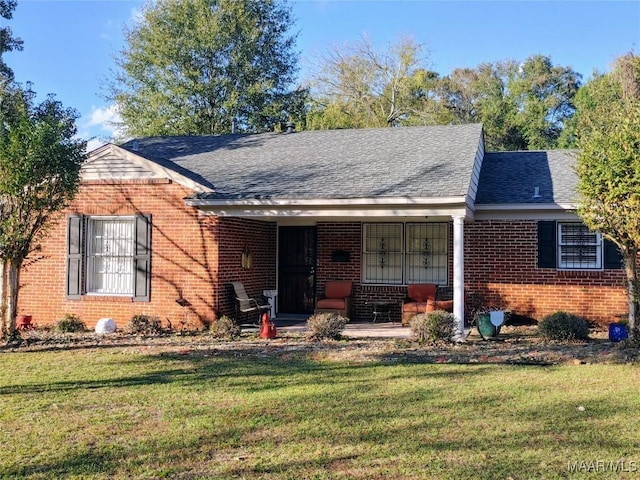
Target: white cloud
(106, 118)
(100, 126)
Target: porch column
(458, 276)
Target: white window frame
(564, 246)
(371, 256)
(115, 287)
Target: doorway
(296, 270)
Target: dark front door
(296, 267)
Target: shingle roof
(389, 162)
(511, 177)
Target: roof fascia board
(150, 165)
(549, 211)
(335, 213)
(524, 206)
(320, 202)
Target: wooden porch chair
(247, 305)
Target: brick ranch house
(162, 225)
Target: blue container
(618, 332)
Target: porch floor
(364, 329)
(292, 323)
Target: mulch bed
(514, 346)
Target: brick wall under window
(501, 267)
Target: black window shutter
(547, 244)
(612, 256)
(74, 257)
(142, 260)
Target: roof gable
(113, 163)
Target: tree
(544, 95)
(7, 42)
(523, 106)
(481, 95)
(40, 161)
(608, 165)
(356, 86)
(207, 67)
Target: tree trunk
(3, 302)
(633, 292)
(11, 294)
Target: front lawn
(135, 411)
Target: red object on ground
(23, 322)
(268, 328)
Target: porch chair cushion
(421, 298)
(337, 295)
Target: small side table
(381, 309)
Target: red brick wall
(184, 259)
(260, 240)
(194, 256)
(198, 255)
(333, 236)
(501, 266)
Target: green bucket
(486, 328)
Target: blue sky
(69, 46)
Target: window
(572, 246)
(109, 256)
(382, 253)
(427, 256)
(578, 247)
(397, 253)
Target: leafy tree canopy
(7, 42)
(198, 66)
(608, 163)
(521, 105)
(358, 86)
(40, 160)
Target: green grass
(122, 412)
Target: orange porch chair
(337, 298)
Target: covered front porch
(380, 246)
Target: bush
(70, 323)
(224, 328)
(433, 326)
(144, 324)
(563, 327)
(326, 325)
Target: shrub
(70, 323)
(433, 326)
(563, 327)
(144, 324)
(326, 325)
(224, 328)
